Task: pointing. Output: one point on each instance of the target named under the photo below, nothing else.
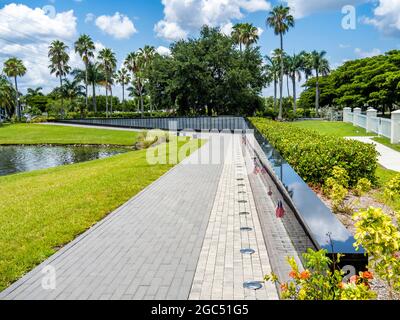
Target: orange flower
(341, 285)
(284, 287)
(305, 275)
(293, 274)
(367, 275)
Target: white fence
(389, 128)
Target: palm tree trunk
(107, 100)
(280, 116)
(294, 94)
(62, 97)
(275, 92)
(317, 95)
(111, 99)
(141, 100)
(86, 86)
(94, 97)
(17, 105)
(287, 85)
(123, 93)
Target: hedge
(314, 155)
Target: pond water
(15, 159)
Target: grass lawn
(47, 134)
(385, 141)
(335, 128)
(43, 210)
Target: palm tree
(95, 77)
(85, 47)
(59, 59)
(295, 66)
(7, 95)
(281, 21)
(72, 90)
(123, 78)
(321, 67)
(273, 69)
(245, 34)
(34, 92)
(108, 63)
(146, 55)
(134, 63)
(14, 68)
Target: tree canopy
(208, 76)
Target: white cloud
(26, 33)
(119, 25)
(164, 51)
(89, 17)
(367, 54)
(302, 8)
(386, 17)
(183, 17)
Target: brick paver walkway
(222, 268)
(182, 230)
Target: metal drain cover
(241, 185)
(244, 213)
(242, 201)
(240, 179)
(247, 251)
(246, 229)
(252, 285)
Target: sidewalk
(389, 158)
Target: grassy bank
(333, 128)
(47, 134)
(43, 210)
(386, 142)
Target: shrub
(363, 186)
(314, 155)
(318, 282)
(392, 188)
(380, 237)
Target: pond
(15, 159)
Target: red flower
(293, 274)
(367, 275)
(284, 287)
(305, 275)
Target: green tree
(321, 67)
(85, 47)
(245, 34)
(59, 60)
(108, 63)
(273, 70)
(281, 21)
(123, 78)
(295, 65)
(14, 68)
(7, 96)
(134, 63)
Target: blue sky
(126, 25)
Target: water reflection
(318, 218)
(14, 159)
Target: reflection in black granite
(15, 159)
(317, 217)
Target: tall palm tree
(281, 21)
(7, 95)
(273, 69)
(85, 47)
(59, 59)
(321, 67)
(245, 34)
(123, 78)
(72, 90)
(295, 66)
(95, 77)
(108, 63)
(146, 55)
(14, 68)
(134, 63)
(34, 92)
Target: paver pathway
(150, 247)
(389, 158)
(222, 268)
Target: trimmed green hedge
(314, 155)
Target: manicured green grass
(386, 142)
(385, 175)
(63, 135)
(334, 128)
(43, 210)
